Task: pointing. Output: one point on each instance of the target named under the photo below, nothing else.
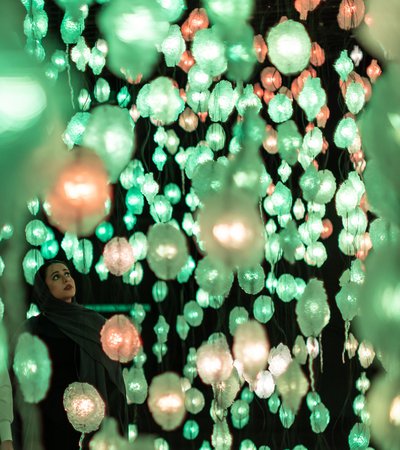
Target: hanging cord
(346, 337)
(71, 88)
(183, 181)
(321, 354)
(81, 441)
(311, 370)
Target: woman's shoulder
(33, 323)
(39, 325)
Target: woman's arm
(6, 411)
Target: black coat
(56, 431)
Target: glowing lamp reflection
(232, 235)
(83, 406)
(254, 352)
(394, 414)
(167, 251)
(169, 403)
(30, 368)
(79, 190)
(120, 339)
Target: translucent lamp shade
(251, 347)
(120, 339)
(289, 47)
(78, 199)
(84, 407)
(214, 362)
(166, 400)
(32, 367)
(231, 229)
(118, 255)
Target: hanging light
(264, 385)
(78, 199)
(166, 400)
(271, 79)
(260, 48)
(133, 29)
(214, 362)
(196, 21)
(136, 385)
(32, 367)
(231, 229)
(110, 133)
(305, 6)
(188, 120)
(84, 406)
(251, 347)
(194, 400)
(118, 256)
(289, 47)
(108, 438)
(279, 359)
(120, 339)
(351, 13)
(167, 250)
(317, 58)
(293, 386)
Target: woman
(72, 335)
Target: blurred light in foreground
(32, 367)
(166, 400)
(77, 200)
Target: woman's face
(60, 283)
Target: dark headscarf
(83, 326)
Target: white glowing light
(394, 413)
(22, 100)
(78, 190)
(136, 27)
(170, 403)
(232, 235)
(166, 251)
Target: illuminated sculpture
(120, 339)
(167, 251)
(84, 406)
(251, 348)
(312, 309)
(77, 200)
(285, 206)
(108, 438)
(118, 256)
(160, 100)
(289, 47)
(109, 133)
(166, 400)
(231, 229)
(214, 362)
(133, 30)
(32, 367)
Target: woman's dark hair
(43, 268)
(40, 291)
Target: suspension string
(81, 441)
(321, 354)
(311, 370)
